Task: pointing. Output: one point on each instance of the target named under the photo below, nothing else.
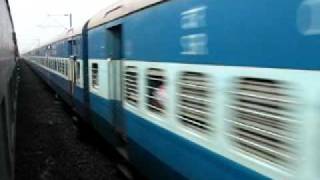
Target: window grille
(156, 90)
(131, 85)
(59, 66)
(95, 75)
(263, 123)
(66, 68)
(194, 101)
(62, 67)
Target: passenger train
(8, 91)
(197, 89)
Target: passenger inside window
(160, 96)
(156, 91)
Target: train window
(78, 72)
(63, 63)
(262, 120)
(60, 66)
(131, 85)
(66, 68)
(156, 90)
(95, 75)
(55, 65)
(194, 101)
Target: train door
(72, 66)
(114, 49)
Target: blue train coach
(197, 89)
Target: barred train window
(156, 92)
(66, 68)
(131, 85)
(59, 66)
(62, 67)
(263, 122)
(95, 75)
(194, 101)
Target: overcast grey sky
(34, 26)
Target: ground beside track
(48, 146)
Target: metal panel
(120, 9)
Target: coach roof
(120, 9)
(63, 36)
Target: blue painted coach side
(101, 113)
(78, 101)
(254, 33)
(59, 84)
(175, 153)
(98, 40)
(240, 33)
(97, 43)
(154, 34)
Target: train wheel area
(47, 142)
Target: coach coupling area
(48, 145)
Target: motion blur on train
(8, 91)
(197, 89)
